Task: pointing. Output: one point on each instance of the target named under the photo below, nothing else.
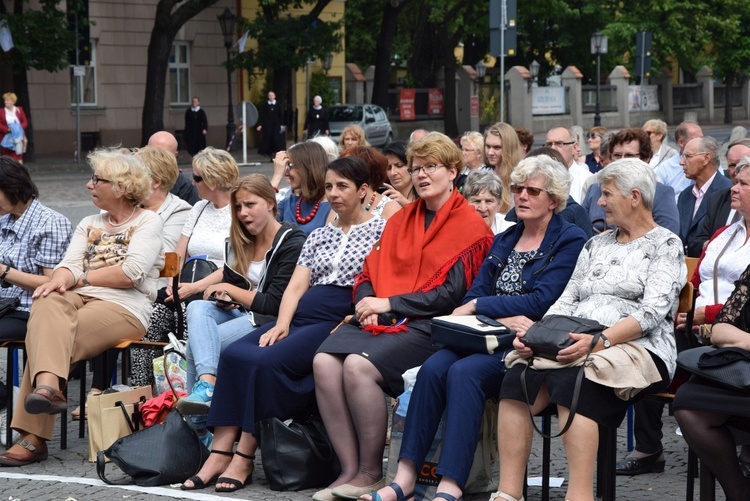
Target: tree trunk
(450, 119)
(425, 60)
(729, 82)
(383, 51)
(159, 48)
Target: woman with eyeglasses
(304, 167)
(428, 255)
(594, 140)
(99, 295)
(400, 187)
(510, 288)
(472, 148)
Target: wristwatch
(607, 342)
(84, 277)
(5, 274)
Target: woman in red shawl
(429, 253)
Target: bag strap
(576, 392)
(716, 266)
(166, 372)
(135, 419)
(101, 463)
(313, 446)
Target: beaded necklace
(298, 212)
(369, 204)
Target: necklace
(298, 212)
(109, 219)
(372, 199)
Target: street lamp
(534, 73)
(481, 69)
(328, 63)
(227, 21)
(598, 47)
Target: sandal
(37, 402)
(32, 454)
(200, 484)
(448, 497)
(236, 484)
(374, 496)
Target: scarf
(409, 258)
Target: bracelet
(84, 277)
(275, 189)
(5, 273)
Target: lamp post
(328, 63)
(598, 47)
(227, 21)
(481, 69)
(534, 73)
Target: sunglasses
(592, 135)
(517, 189)
(197, 179)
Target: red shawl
(409, 259)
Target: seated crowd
(328, 291)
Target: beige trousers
(64, 329)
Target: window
(88, 82)
(179, 74)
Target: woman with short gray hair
(627, 175)
(556, 179)
(484, 190)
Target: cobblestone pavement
(67, 475)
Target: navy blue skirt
(254, 383)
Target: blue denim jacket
(544, 277)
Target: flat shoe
(324, 495)
(34, 455)
(647, 464)
(348, 491)
(45, 400)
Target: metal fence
(720, 95)
(687, 96)
(607, 98)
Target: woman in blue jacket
(527, 269)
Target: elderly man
(657, 133)
(670, 171)
(564, 140)
(417, 135)
(719, 212)
(633, 143)
(183, 188)
(271, 126)
(700, 162)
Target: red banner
(435, 101)
(474, 106)
(406, 104)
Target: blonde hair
(217, 168)
(162, 165)
(556, 178)
(242, 241)
(10, 95)
(511, 148)
(357, 132)
(475, 140)
(439, 147)
(126, 173)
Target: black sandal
(200, 484)
(236, 484)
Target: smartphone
(489, 321)
(224, 302)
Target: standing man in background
(272, 127)
(196, 125)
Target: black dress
(195, 123)
(699, 395)
(316, 122)
(271, 120)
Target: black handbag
(550, 334)
(165, 453)
(8, 304)
(298, 455)
(725, 367)
(469, 334)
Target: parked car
(370, 117)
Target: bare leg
(581, 442)
(710, 437)
(224, 437)
(240, 468)
(369, 413)
(514, 448)
(329, 391)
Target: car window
(381, 114)
(345, 114)
(369, 113)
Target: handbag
(112, 416)
(8, 304)
(471, 334)
(725, 367)
(161, 454)
(550, 334)
(297, 454)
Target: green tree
(41, 39)
(319, 86)
(287, 42)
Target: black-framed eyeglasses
(517, 189)
(96, 180)
(427, 169)
(558, 144)
(649, 132)
(620, 156)
(197, 179)
(592, 135)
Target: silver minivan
(370, 117)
